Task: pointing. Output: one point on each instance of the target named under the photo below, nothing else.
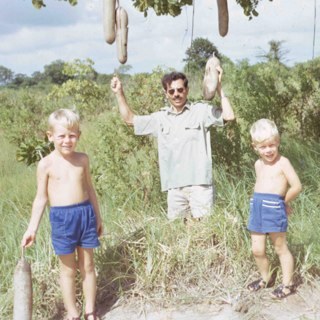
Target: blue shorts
(267, 213)
(73, 226)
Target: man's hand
(220, 71)
(116, 85)
(219, 85)
(125, 111)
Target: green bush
(120, 161)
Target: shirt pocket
(164, 136)
(164, 129)
(193, 125)
(192, 130)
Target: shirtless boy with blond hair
(277, 184)
(64, 180)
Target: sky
(31, 38)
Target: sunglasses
(172, 91)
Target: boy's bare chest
(66, 173)
(270, 172)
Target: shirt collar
(169, 108)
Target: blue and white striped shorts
(267, 213)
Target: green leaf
(73, 2)
(38, 4)
(255, 13)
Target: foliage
(19, 79)
(40, 3)
(249, 7)
(262, 91)
(161, 7)
(81, 89)
(304, 109)
(228, 148)
(6, 75)
(276, 52)
(32, 150)
(198, 54)
(289, 96)
(54, 72)
(23, 113)
(122, 163)
(123, 69)
(171, 7)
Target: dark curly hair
(169, 77)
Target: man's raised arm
(126, 113)
(227, 111)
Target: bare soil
(303, 305)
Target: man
(184, 148)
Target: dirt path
(304, 305)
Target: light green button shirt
(184, 147)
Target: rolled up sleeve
(214, 117)
(145, 125)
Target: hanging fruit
(122, 34)
(223, 17)
(211, 77)
(109, 20)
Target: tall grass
(144, 255)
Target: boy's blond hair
(65, 117)
(263, 130)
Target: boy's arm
(93, 197)
(293, 181)
(125, 111)
(227, 111)
(257, 167)
(38, 205)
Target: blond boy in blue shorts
(277, 184)
(63, 180)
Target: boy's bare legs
(88, 274)
(259, 252)
(279, 241)
(68, 269)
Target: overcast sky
(31, 38)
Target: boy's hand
(99, 227)
(28, 239)
(288, 210)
